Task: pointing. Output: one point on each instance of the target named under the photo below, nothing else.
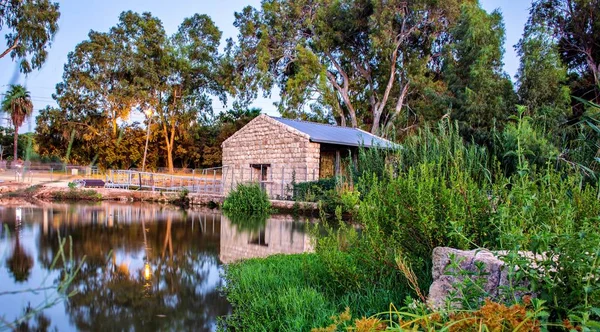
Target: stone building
(276, 152)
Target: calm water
(164, 278)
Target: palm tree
(17, 103)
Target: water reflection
(143, 267)
(277, 234)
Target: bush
(314, 191)
(247, 199)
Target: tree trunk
(169, 147)
(15, 143)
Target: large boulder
(452, 266)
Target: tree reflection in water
(19, 262)
(144, 273)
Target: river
(134, 266)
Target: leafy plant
(247, 198)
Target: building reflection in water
(280, 234)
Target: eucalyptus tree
(358, 59)
(96, 80)
(479, 92)
(29, 27)
(542, 84)
(17, 103)
(175, 76)
(575, 27)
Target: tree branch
(8, 50)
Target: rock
(445, 276)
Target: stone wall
(265, 141)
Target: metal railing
(278, 182)
(208, 181)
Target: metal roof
(329, 134)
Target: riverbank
(17, 193)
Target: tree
(575, 26)
(17, 103)
(176, 76)
(479, 91)
(135, 67)
(542, 80)
(97, 78)
(359, 60)
(29, 27)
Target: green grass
(293, 293)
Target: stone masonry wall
(267, 141)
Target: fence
(207, 181)
(276, 181)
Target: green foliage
(247, 199)
(542, 81)
(17, 103)
(279, 293)
(344, 56)
(522, 139)
(29, 27)
(313, 191)
(440, 192)
(479, 90)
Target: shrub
(313, 191)
(247, 199)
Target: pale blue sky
(78, 17)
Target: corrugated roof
(324, 133)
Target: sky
(78, 17)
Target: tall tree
(176, 76)
(542, 80)
(17, 103)
(29, 27)
(575, 27)
(136, 66)
(357, 59)
(96, 79)
(479, 89)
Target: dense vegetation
(439, 191)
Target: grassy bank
(293, 293)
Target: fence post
(214, 189)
